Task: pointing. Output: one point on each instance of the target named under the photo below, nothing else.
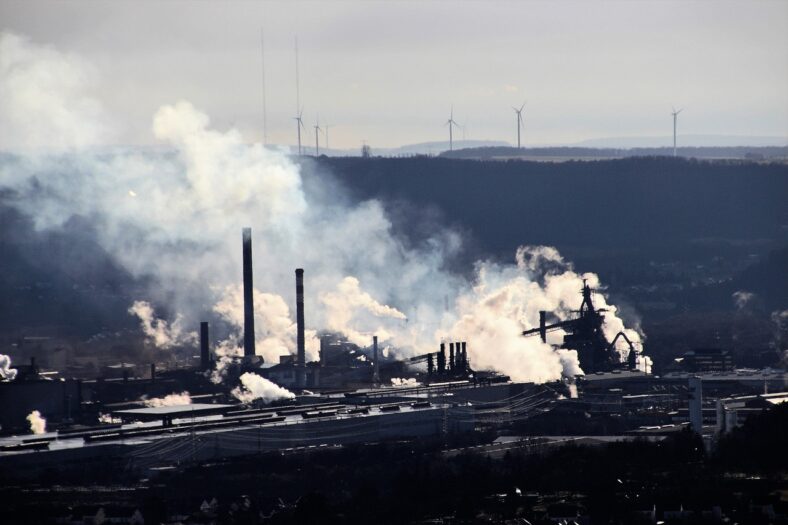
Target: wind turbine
(675, 118)
(326, 127)
(299, 125)
(519, 113)
(317, 131)
(451, 123)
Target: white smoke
(275, 331)
(6, 372)
(44, 101)
(407, 382)
(742, 298)
(107, 419)
(174, 217)
(256, 387)
(38, 425)
(161, 333)
(169, 400)
(348, 305)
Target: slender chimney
(152, 372)
(464, 356)
(301, 357)
(248, 291)
(451, 356)
(442, 359)
(376, 364)
(205, 355)
(696, 404)
(542, 326)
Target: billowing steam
(38, 425)
(256, 387)
(6, 372)
(400, 381)
(170, 400)
(161, 333)
(349, 304)
(174, 216)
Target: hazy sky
(389, 72)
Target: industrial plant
(233, 406)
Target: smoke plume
(6, 372)
(158, 331)
(400, 381)
(38, 425)
(173, 216)
(256, 387)
(169, 400)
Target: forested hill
(633, 203)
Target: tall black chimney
(248, 299)
(451, 356)
(205, 355)
(376, 363)
(301, 356)
(542, 326)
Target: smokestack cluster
(249, 349)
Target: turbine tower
(317, 143)
(675, 118)
(519, 113)
(299, 125)
(451, 123)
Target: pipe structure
(249, 349)
(451, 356)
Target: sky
(389, 73)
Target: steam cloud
(256, 387)
(158, 331)
(169, 400)
(399, 381)
(174, 216)
(38, 425)
(6, 372)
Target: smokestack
(542, 326)
(301, 357)
(152, 372)
(205, 356)
(696, 404)
(442, 359)
(376, 364)
(300, 341)
(248, 299)
(451, 356)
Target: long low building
(200, 438)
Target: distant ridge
(687, 141)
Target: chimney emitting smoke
(249, 349)
(376, 363)
(301, 356)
